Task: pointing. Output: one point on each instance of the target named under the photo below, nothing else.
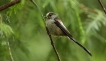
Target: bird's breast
(53, 28)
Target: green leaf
(6, 29)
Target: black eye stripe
(50, 14)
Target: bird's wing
(60, 24)
(63, 28)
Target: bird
(56, 27)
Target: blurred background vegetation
(22, 27)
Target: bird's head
(51, 15)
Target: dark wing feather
(70, 36)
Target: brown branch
(102, 6)
(9, 4)
(52, 43)
(47, 31)
(39, 10)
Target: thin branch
(9, 49)
(8, 44)
(52, 43)
(102, 6)
(39, 10)
(9, 4)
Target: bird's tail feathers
(80, 45)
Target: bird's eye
(50, 15)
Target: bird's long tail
(80, 45)
(67, 33)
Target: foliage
(23, 27)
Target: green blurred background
(22, 26)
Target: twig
(102, 6)
(8, 45)
(9, 4)
(39, 10)
(52, 43)
(9, 49)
